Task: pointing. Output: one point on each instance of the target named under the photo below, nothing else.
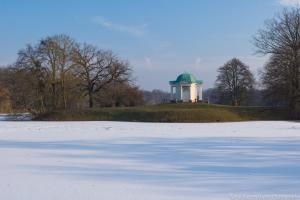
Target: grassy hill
(171, 113)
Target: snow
(149, 161)
(15, 117)
(3, 117)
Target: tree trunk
(64, 95)
(91, 100)
(53, 95)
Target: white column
(181, 97)
(172, 94)
(192, 93)
(196, 93)
(200, 93)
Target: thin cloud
(148, 62)
(290, 2)
(137, 31)
(198, 62)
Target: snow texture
(148, 161)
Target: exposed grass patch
(171, 113)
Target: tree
(275, 82)
(5, 105)
(57, 54)
(235, 81)
(29, 71)
(280, 39)
(5, 102)
(97, 68)
(48, 69)
(117, 94)
(59, 73)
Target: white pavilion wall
(194, 92)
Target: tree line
(60, 73)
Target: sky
(160, 38)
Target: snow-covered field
(149, 161)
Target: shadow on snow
(223, 164)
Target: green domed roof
(186, 78)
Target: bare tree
(235, 81)
(48, 48)
(120, 94)
(56, 52)
(97, 68)
(280, 38)
(66, 46)
(5, 99)
(59, 73)
(5, 104)
(29, 71)
(275, 82)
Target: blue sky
(160, 38)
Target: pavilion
(186, 88)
